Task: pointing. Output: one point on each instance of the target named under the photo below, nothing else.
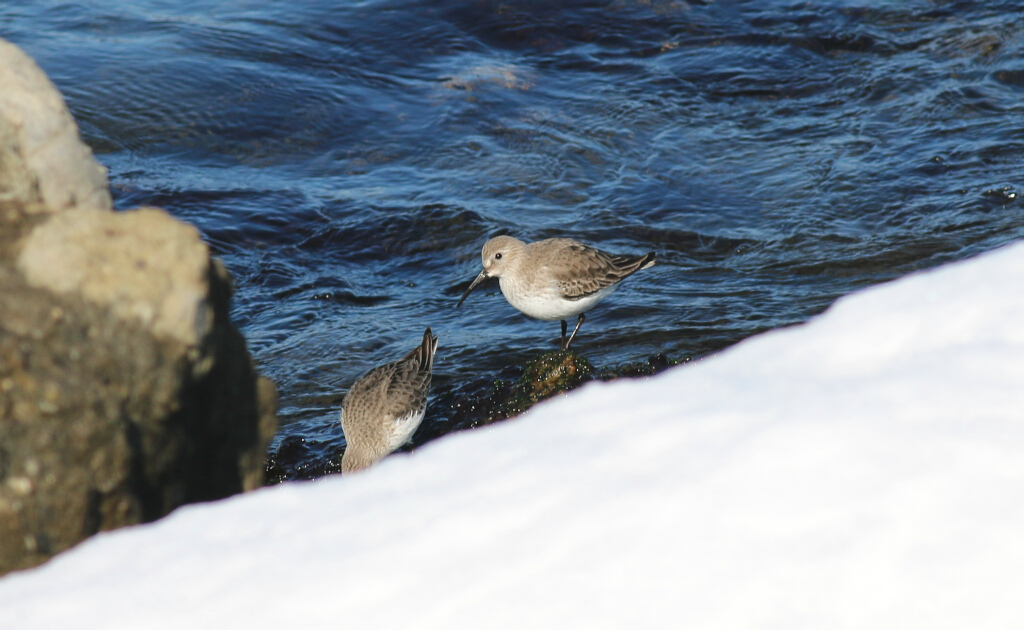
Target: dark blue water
(348, 159)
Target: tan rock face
(125, 391)
(17, 181)
(144, 265)
(43, 157)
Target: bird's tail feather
(647, 260)
(426, 351)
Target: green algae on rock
(549, 374)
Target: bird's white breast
(543, 300)
(402, 428)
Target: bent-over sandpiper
(555, 278)
(385, 406)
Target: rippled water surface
(348, 159)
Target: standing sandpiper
(555, 278)
(385, 406)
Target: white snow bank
(865, 470)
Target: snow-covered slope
(865, 470)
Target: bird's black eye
(497, 256)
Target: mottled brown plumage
(582, 271)
(556, 278)
(385, 406)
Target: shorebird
(385, 406)
(555, 278)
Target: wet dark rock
(480, 403)
(654, 364)
(125, 391)
(467, 405)
(549, 374)
(298, 458)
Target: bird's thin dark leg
(565, 327)
(579, 322)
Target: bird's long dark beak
(480, 278)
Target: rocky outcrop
(124, 389)
(42, 158)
